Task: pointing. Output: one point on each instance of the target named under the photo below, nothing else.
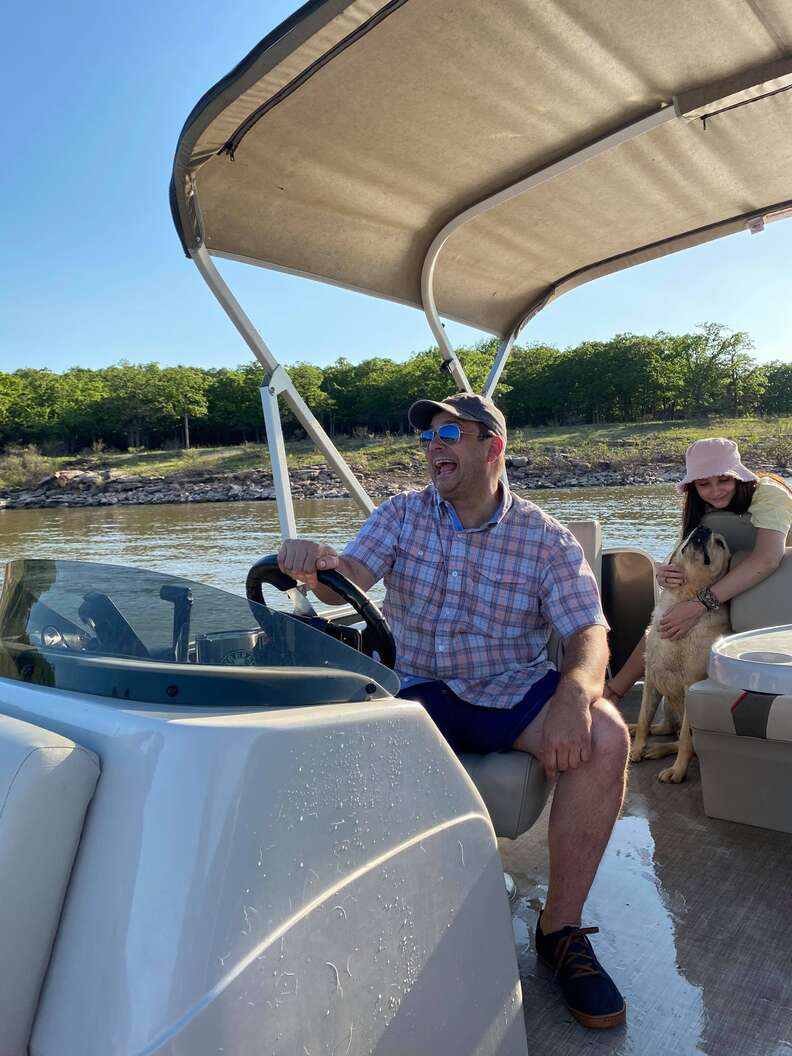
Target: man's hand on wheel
(301, 558)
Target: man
(475, 580)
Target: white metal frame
(278, 383)
(645, 124)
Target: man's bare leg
(585, 806)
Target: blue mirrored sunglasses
(450, 433)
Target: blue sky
(92, 272)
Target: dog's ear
(721, 544)
(721, 556)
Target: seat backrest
(589, 535)
(46, 784)
(736, 529)
(769, 603)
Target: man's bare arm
(301, 558)
(585, 660)
(567, 726)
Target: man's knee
(609, 738)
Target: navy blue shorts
(471, 728)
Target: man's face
(459, 470)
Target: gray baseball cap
(466, 406)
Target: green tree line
(631, 377)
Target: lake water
(217, 542)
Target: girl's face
(717, 492)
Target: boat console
(278, 856)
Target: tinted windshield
(53, 612)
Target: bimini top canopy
(354, 139)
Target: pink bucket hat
(714, 457)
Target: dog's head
(704, 556)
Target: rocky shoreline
(71, 488)
(75, 487)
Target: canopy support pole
(503, 353)
(637, 128)
(277, 379)
(280, 480)
(277, 451)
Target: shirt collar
(496, 518)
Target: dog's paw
(637, 753)
(660, 751)
(671, 775)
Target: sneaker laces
(582, 957)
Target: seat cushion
(720, 709)
(513, 787)
(46, 784)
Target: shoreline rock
(77, 488)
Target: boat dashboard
(148, 637)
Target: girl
(716, 479)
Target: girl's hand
(679, 620)
(670, 576)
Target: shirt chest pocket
(501, 604)
(415, 582)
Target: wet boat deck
(696, 929)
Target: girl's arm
(763, 559)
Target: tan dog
(672, 666)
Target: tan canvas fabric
(352, 173)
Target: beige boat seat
(46, 784)
(736, 529)
(512, 784)
(744, 740)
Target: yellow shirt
(771, 506)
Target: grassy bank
(628, 445)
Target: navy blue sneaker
(591, 995)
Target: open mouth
(443, 467)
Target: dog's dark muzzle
(698, 540)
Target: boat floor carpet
(695, 919)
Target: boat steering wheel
(377, 636)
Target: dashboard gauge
(238, 658)
(51, 636)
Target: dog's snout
(701, 536)
(698, 540)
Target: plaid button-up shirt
(475, 607)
